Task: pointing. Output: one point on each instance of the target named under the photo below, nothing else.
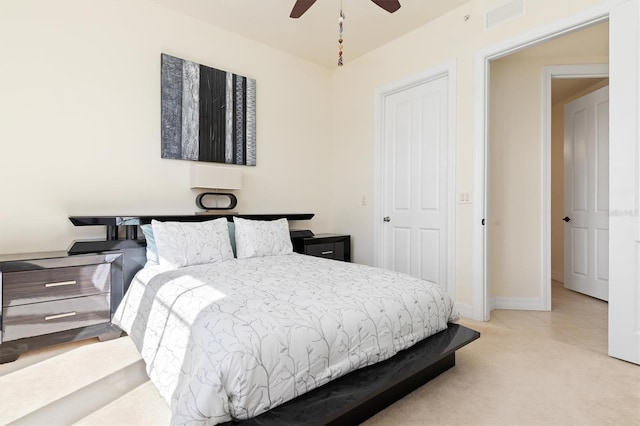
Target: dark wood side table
(330, 246)
(51, 298)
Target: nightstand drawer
(329, 246)
(49, 317)
(41, 285)
(328, 250)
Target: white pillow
(191, 243)
(257, 238)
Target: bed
(258, 334)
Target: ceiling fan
(302, 6)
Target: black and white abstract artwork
(207, 114)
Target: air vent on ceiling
(504, 13)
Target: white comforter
(234, 339)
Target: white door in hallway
(414, 196)
(586, 194)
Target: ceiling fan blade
(388, 5)
(301, 7)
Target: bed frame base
(359, 395)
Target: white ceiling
(564, 88)
(314, 35)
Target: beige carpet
(510, 378)
(507, 377)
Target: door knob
(566, 218)
(387, 219)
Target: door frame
(444, 70)
(549, 73)
(620, 58)
(624, 148)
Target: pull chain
(340, 22)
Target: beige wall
(514, 178)
(80, 119)
(515, 174)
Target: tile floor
(574, 318)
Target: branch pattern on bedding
(236, 338)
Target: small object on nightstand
(329, 246)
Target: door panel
(602, 246)
(431, 153)
(429, 254)
(402, 156)
(602, 159)
(579, 161)
(586, 183)
(579, 246)
(402, 250)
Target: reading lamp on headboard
(212, 177)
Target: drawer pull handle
(58, 284)
(52, 317)
(328, 252)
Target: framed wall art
(207, 114)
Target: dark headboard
(131, 223)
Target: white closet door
(415, 181)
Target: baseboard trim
(557, 276)
(517, 303)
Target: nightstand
(51, 298)
(330, 246)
